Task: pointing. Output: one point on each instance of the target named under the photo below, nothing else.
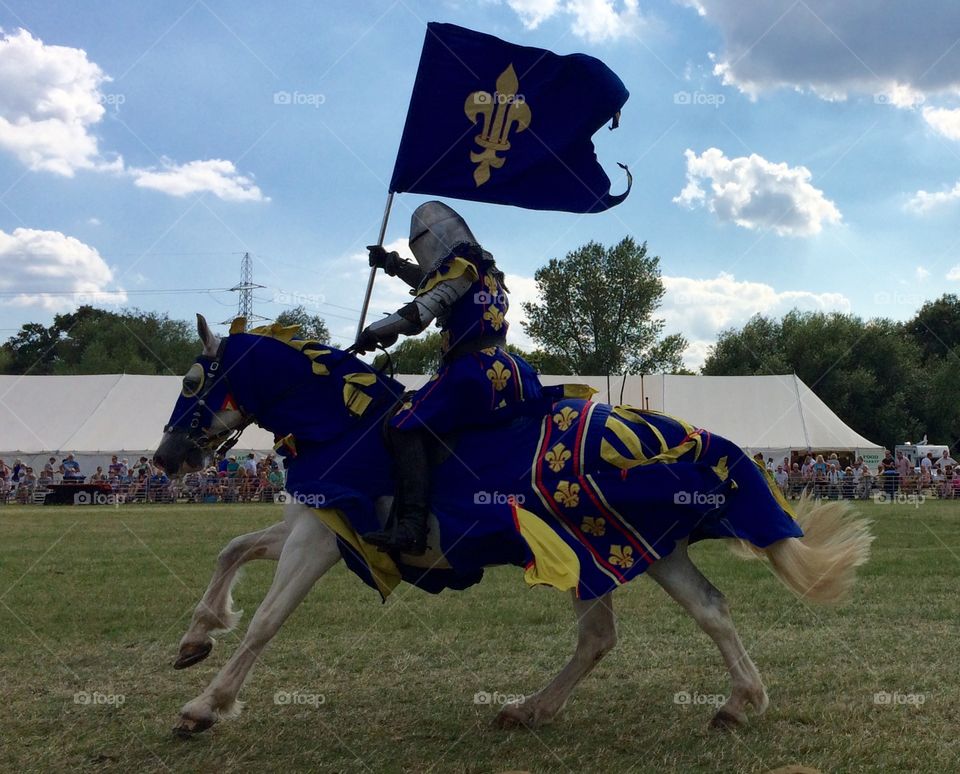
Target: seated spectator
(783, 479)
(113, 470)
(157, 487)
(70, 469)
(26, 485)
(98, 476)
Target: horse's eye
(193, 381)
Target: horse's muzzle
(177, 450)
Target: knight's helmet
(435, 229)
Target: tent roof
(102, 413)
(755, 412)
(122, 412)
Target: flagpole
(373, 269)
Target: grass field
(95, 600)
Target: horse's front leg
(214, 613)
(596, 636)
(309, 551)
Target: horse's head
(204, 415)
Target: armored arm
(414, 317)
(395, 266)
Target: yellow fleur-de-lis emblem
(594, 526)
(495, 317)
(499, 112)
(498, 374)
(621, 556)
(567, 494)
(492, 288)
(565, 418)
(557, 456)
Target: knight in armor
(457, 283)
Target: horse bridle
(196, 432)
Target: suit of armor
(457, 284)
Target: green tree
(936, 328)
(595, 313)
(90, 341)
(413, 355)
(869, 372)
(312, 326)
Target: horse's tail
(820, 566)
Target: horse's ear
(209, 339)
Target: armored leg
(408, 532)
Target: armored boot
(407, 533)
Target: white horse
(819, 567)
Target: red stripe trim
(548, 496)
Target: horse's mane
(361, 380)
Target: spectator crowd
(247, 479)
(829, 478)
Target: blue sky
(801, 154)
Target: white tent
(92, 417)
(771, 414)
(96, 416)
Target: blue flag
(495, 122)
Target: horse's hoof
(191, 654)
(188, 728)
(517, 716)
(725, 720)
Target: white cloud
(756, 194)
(833, 49)
(215, 176)
(924, 201)
(534, 12)
(701, 308)
(49, 101)
(593, 20)
(954, 274)
(944, 121)
(35, 262)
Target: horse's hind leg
(309, 551)
(596, 636)
(215, 613)
(680, 578)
